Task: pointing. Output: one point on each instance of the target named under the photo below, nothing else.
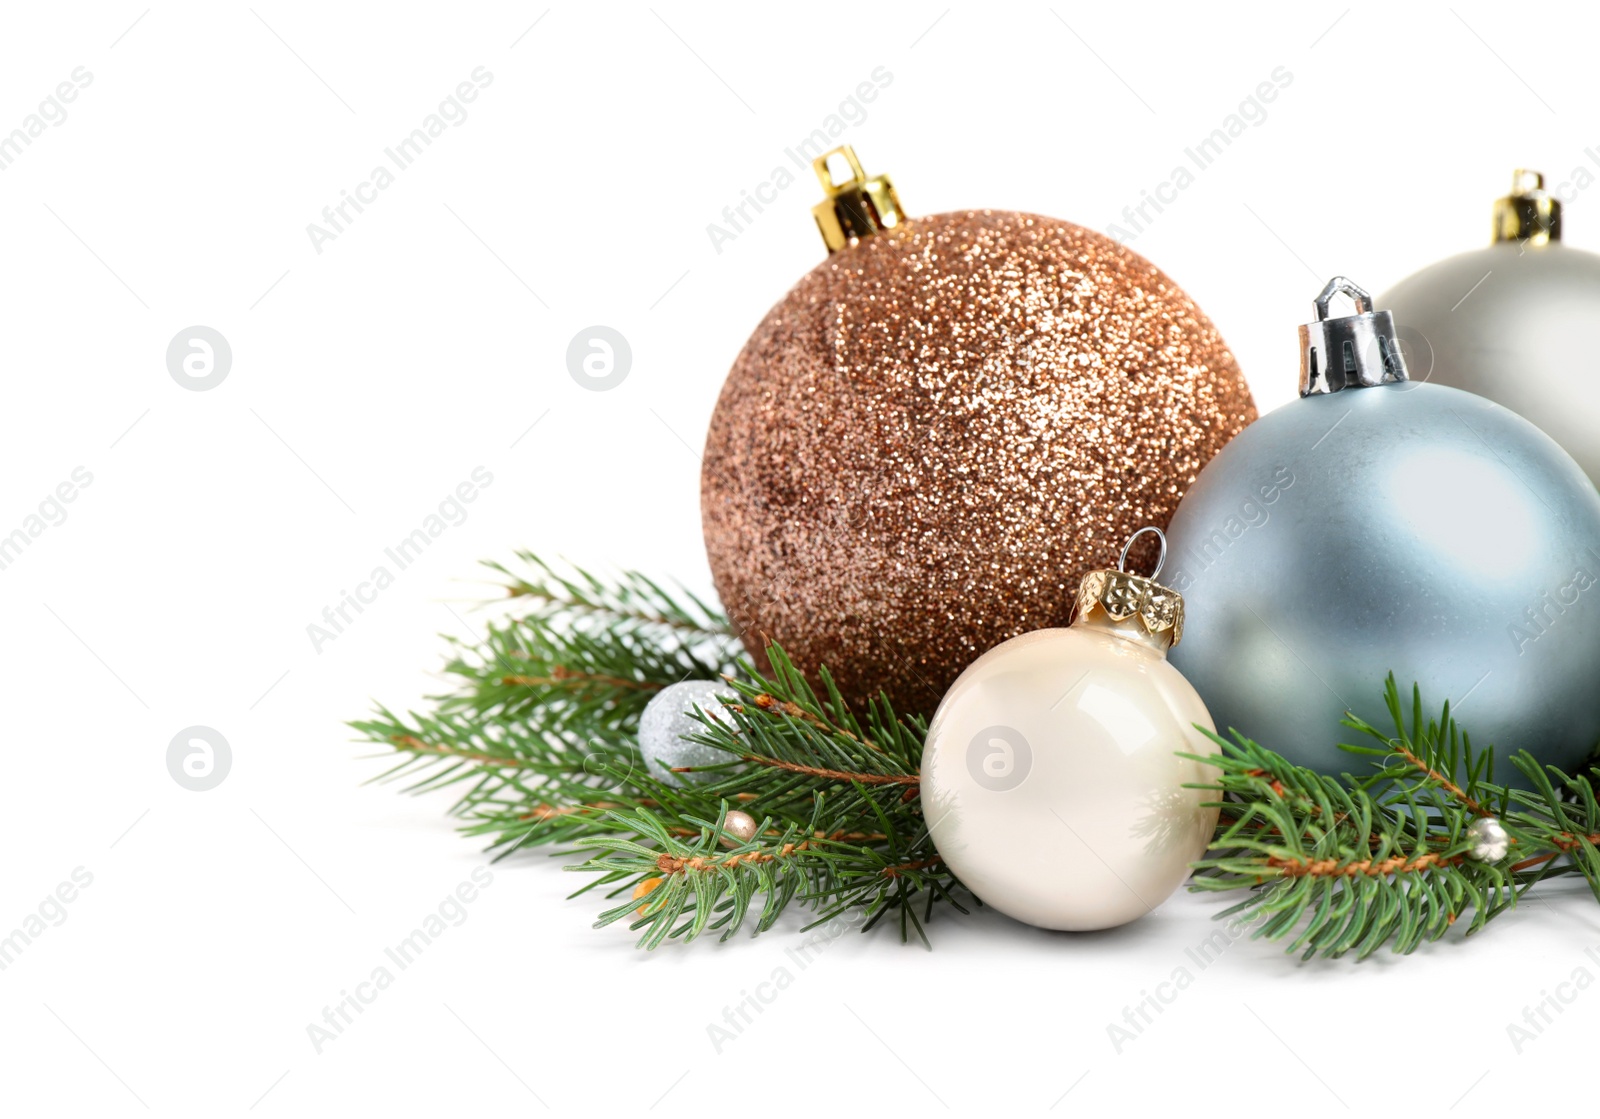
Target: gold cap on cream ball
(1130, 605)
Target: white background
(429, 338)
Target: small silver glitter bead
(669, 724)
(740, 826)
(1489, 840)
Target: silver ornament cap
(1351, 351)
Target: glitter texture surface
(930, 440)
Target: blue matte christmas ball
(1398, 527)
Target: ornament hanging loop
(1529, 215)
(1341, 285)
(1129, 605)
(856, 208)
(1161, 560)
(1350, 351)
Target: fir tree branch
(540, 735)
(1352, 865)
(629, 600)
(539, 741)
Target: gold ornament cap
(1130, 605)
(1529, 215)
(855, 208)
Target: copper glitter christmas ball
(930, 440)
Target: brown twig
(678, 864)
(1370, 868)
(1445, 783)
(556, 811)
(561, 674)
(1566, 841)
(523, 589)
(1535, 861)
(417, 746)
(835, 774)
(775, 706)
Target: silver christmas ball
(1513, 322)
(1391, 527)
(1489, 840)
(669, 721)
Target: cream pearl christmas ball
(1052, 784)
